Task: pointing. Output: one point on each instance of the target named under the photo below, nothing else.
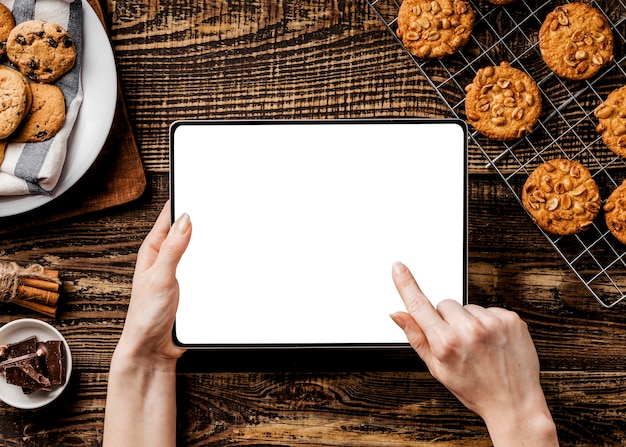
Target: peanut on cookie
(611, 115)
(502, 102)
(434, 28)
(615, 212)
(576, 41)
(562, 197)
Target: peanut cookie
(576, 41)
(13, 100)
(502, 102)
(7, 23)
(46, 116)
(435, 28)
(615, 212)
(41, 50)
(611, 116)
(561, 196)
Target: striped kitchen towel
(35, 168)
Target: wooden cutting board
(116, 177)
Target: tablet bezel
(290, 346)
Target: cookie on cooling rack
(502, 102)
(575, 41)
(615, 212)
(562, 197)
(435, 28)
(611, 116)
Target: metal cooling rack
(566, 127)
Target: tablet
(296, 225)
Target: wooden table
(300, 59)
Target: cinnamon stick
(33, 287)
(40, 296)
(37, 307)
(51, 285)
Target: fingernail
(182, 223)
(398, 268)
(398, 320)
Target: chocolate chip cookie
(611, 116)
(434, 28)
(14, 100)
(502, 102)
(576, 41)
(3, 147)
(46, 116)
(42, 51)
(615, 212)
(562, 197)
(7, 23)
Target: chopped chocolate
(33, 365)
(26, 372)
(52, 360)
(23, 347)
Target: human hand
(148, 328)
(144, 413)
(485, 357)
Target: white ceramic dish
(99, 78)
(19, 330)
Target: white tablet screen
(296, 226)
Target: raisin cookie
(502, 102)
(43, 51)
(562, 197)
(434, 28)
(46, 116)
(615, 212)
(14, 100)
(576, 41)
(611, 116)
(7, 23)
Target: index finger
(416, 303)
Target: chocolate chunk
(33, 365)
(52, 359)
(26, 372)
(22, 347)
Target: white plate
(94, 120)
(19, 330)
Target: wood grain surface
(301, 59)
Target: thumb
(175, 244)
(414, 335)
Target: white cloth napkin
(35, 168)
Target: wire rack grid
(566, 128)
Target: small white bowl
(18, 330)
